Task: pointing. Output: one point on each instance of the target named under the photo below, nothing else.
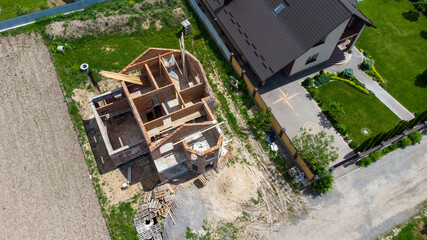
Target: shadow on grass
(421, 80)
(411, 16)
(423, 34)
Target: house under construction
(164, 110)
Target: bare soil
(106, 24)
(46, 192)
(252, 185)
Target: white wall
(324, 50)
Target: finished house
(288, 35)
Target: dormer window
(279, 9)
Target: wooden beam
(168, 77)
(151, 77)
(175, 123)
(121, 77)
(162, 89)
(207, 129)
(139, 65)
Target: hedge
(365, 91)
(377, 74)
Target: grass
(398, 47)
(410, 230)
(8, 7)
(362, 111)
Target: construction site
(163, 113)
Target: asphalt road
(368, 202)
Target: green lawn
(398, 48)
(8, 7)
(362, 111)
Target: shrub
(367, 63)
(416, 136)
(336, 110)
(353, 144)
(322, 72)
(376, 74)
(307, 82)
(366, 161)
(404, 142)
(324, 184)
(348, 72)
(322, 79)
(314, 92)
(366, 54)
(421, 6)
(375, 156)
(341, 128)
(350, 51)
(365, 91)
(394, 146)
(383, 85)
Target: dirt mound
(226, 196)
(236, 182)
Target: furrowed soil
(46, 192)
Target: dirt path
(45, 188)
(254, 178)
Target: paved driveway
(366, 203)
(294, 109)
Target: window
(322, 41)
(279, 9)
(312, 58)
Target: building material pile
(156, 203)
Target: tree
(336, 110)
(316, 150)
(260, 123)
(324, 184)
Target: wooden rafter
(121, 77)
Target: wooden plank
(199, 132)
(121, 77)
(139, 65)
(151, 77)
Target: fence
(32, 17)
(212, 32)
(357, 157)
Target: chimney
(226, 2)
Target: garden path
(379, 92)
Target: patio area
(294, 109)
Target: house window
(312, 58)
(322, 41)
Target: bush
(353, 144)
(314, 92)
(367, 63)
(375, 156)
(366, 161)
(322, 79)
(404, 142)
(324, 184)
(365, 91)
(341, 128)
(394, 146)
(421, 6)
(383, 85)
(307, 82)
(416, 136)
(350, 51)
(366, 54)
(336, 110)
(376, 74)
(348, 72)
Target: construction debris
(159, 204)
